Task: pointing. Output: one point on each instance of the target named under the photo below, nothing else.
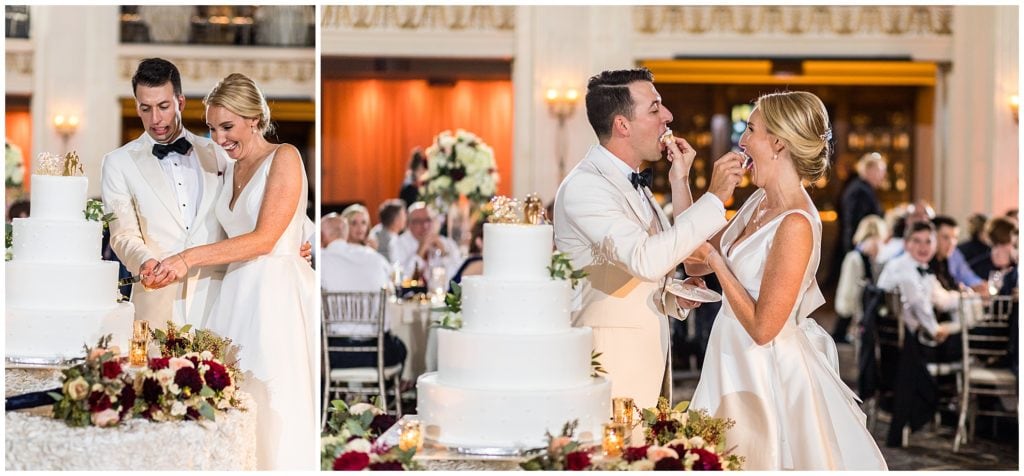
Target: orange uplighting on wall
(370, 127)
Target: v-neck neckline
(233, 202)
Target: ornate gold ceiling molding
(453, 18)
(789, 21)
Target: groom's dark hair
(608, 96)
(154, 72)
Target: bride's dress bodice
(242, 218)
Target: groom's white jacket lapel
(599, 220)
(149, 225)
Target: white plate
(693, 293)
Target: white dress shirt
(405, 251)
(921, 294)
(354, 268)
(184, 176)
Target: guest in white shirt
(358, 218)
(919, 289)
(392, 222)
(421, 247)
(356, 268)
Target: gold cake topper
(67, 165)
(533, 211)
(510, 211)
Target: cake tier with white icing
(48, 334)
(527, 362)
(509, 418)
(517, 252)
(59, 198)
(61, 286)
(503, 306)
(57, 241)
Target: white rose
(178, 409)
(445, 140)
(108, 417)
(487, 186)
(655, 453)
(464, 152)
(174, 389)
(360, 408)
(359, 444)
(641, 465)
(465, 186)
(77, 389)
(206, 355)
(697, 442)
(165, 377)
(441, 183)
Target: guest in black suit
(857, 201)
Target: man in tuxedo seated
(928, 339)
(949, 264)
(355, 268)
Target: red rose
(188, 377)
(217, 377)
(386, 466)
(635, 453)
(98, 401)
(669, 464)
(111, 369)
(381, 423)
(192, 414)
(151, 390)
(352, 461)
(577, 461)
(159, 363)
(127, 399)
(458, 174)
(708, 461)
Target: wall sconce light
(561, 105)
(1014, 105)
(65, 126)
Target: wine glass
(995, 282)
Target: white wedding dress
(267, 307)
(791, 409)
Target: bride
(768, 366)
(267, 300)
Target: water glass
(995, 282)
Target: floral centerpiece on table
(459, 165)
(351, 442)
(14, 168)
(104, 391)
(676, 440)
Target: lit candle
(411, 436)
(141, 331)
(614, 439)
(137, 352)
(622, 411)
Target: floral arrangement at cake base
(190, 383)
(675, 440)
(459, 165)
(351, 442)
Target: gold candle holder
(411, 436)
(614, 439)
(141, 331)
(623, 410)
(138, 352)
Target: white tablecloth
(410, 322)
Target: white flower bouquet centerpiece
(459, 165)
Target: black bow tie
(924, 271)
(180, 146)
(642, 179)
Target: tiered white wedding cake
(60, 294)
(517, 368)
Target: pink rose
(655, 453)
(558, 443)
(178, 363)
(108, 417)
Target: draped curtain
(370, 127)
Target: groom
(609, 223)
(162, 188)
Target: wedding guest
(330, 229)
(894, 246)
(420, 247)
(346, 267)
(414, 176)
(474, 263)
(975, 248)
(928, 339)
(859, 267)
(858, 200)
(1002, 233)
(358, 219)
(392, 218)
(949, 264)
(18, 209)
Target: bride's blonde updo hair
(240, 95)
(799, 118)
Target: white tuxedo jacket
(598, 221)
(149, 225)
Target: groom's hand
(146, 272)
(681, 154)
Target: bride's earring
(775, 157)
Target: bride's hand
(686, 303)
(702, 255)
(173, 268)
